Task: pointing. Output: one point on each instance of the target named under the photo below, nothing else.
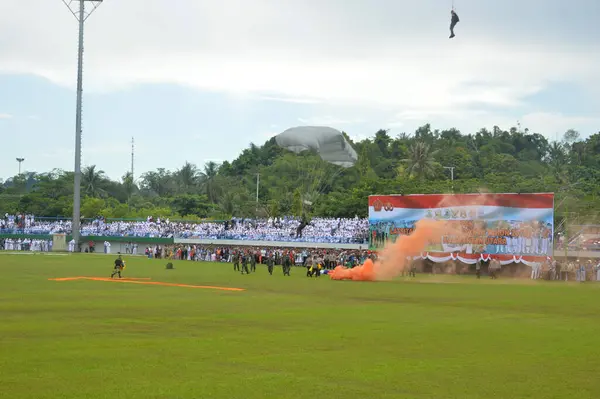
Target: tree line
(427, 161)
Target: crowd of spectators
(29, 225)
(317, 230)
(25, 244)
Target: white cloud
(289, 100)
(395, 124)
(376, 56)
(330, 121)
(5, 116)
(300, 52)
(552, 125)
(381, 81)
(266, 135)
(556, 124)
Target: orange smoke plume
(393, 259)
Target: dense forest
(427, 161)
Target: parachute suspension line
(323, 182)
(328, 179)
(452, 5)
(308, 175)
(300, 173)
(336, 175)
(310, 186)
(300, 170)
(303, 181)
(324, 178)
(317, 185)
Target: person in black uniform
(119, 265)
(270, 264)
(453, 21)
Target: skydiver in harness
(453, 22)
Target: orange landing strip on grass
(145, 281)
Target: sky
(199, 80)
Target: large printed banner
(494, 224)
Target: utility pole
(81, 16)
(257, 184)
(565, 221)
(451, 168)
(566, 232)
(19, 160)
(132, 154)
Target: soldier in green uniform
(287, 264)
(270, 264)
(236, 261)
(252, 261)
(245, 264)
(413, 269)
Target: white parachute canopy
(329, 143)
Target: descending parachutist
(454, 20)
(332, 148)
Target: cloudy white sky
(199, 80)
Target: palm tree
(208, 181)
(557, 160)
(230, 203)
(93, 181)
(421, 162)
(187, 177)
(578, 152)
(161, 182)
(128, 185)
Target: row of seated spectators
(318, 230)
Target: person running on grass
(119, 266)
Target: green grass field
(288, 337)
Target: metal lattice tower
(77, 8)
